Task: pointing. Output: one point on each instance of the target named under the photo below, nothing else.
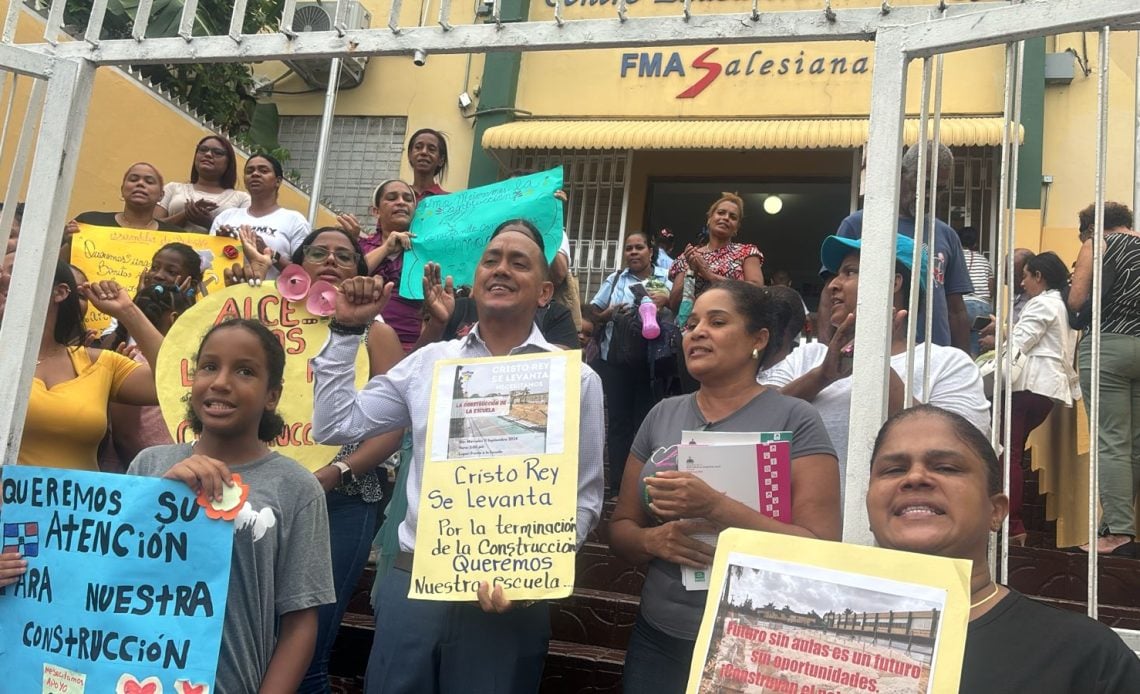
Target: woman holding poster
(726, 337)
(393, 203)
(935, 488)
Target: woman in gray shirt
(726, 337)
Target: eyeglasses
(342, 257)
(216, 151)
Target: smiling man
(821, 373)
(445, 647)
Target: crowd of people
(727, 358)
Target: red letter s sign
(712, 71)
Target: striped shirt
(978, 267)
(1122, 308)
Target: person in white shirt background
(281, 230)
(821, 372)
(1044, 349)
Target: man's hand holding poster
(499, 501)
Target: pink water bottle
(648, 311)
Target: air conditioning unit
(320, 16)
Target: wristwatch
(346, 475)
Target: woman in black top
(935, 488)
(1118, 434)
(141, 192)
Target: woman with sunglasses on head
(393, 203)
(935, 488)
(74, 384)
(351, 480)
(280, 230)
(213, 175)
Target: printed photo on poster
(786, 627)
(488, 410)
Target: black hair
(965, 432)
(758, 309)
(191, 261)
(19, 210)
(277, 170)
(788, 314)
(156, 301)
(229, 176)
(69, 327)
(271, 424)
(1115, 215)
(299, 254)
(441, 170)
(969, 238)
(654, 251)
(534, 234)
(1051, 268)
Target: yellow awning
(723, 134)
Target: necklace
(986, 599)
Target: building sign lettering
(707, 67)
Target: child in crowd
(174, 264)
(281, 564)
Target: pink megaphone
(648, 311)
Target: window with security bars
(595, 185)
(363, 150)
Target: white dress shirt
(402, 398)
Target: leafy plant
(223, 93)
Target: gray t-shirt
(665, 603)
(281, 558)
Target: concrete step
(573, 668)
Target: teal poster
(453, 229)
(125, 589)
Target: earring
(756, 354)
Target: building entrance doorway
(787, 220)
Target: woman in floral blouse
(720, 258)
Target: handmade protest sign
(126, 584)
(453, 229)
(791, 614)
(300, 332)
(112, 253)
(500, 479)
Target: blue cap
(836, 248)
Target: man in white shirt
(452, 647)
(821, 373)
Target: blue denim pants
(352, 524)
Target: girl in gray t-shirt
(281, 570)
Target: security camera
(464, 100)
(419, 57)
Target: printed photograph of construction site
(797, 629)
(497, 409)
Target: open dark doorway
(789, 232)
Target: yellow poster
(301, 333)
(500, 481)
(112, 253)
(801, 616)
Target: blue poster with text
(125, 590)
(452, 229)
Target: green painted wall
(497, 91)
(1029, 162)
